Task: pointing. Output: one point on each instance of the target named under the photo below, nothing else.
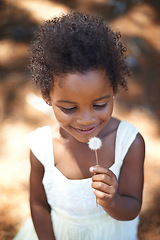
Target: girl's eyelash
(69, 110)
(100, 105)
(74, 109)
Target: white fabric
(74, 213)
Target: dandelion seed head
(95, 143)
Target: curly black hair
(76, 42)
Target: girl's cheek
(107, 112)
(61, 117)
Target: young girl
(79, 64)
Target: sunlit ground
(21, 116)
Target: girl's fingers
(104, 181)
(104, 178)
(99, 170)
(104, 188)
(102, 195)
(103, 174)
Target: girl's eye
(99, 106)
(68, 110)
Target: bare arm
(40, 209)
(122, 200)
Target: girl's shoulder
(121, 132)
(128, 137)
(116, 124)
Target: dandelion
(95, 143)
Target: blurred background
(139, 23)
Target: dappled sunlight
(140, 21)
(20, 112)
(46, 9)
(8, 49)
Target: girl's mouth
(85, 130)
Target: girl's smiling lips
(85, 130)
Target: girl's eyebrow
(65, 101)
(106, 96)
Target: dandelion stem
(96, 164)
(96, 157)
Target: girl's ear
(46, 97)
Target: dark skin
(83, 107)
(120, 199)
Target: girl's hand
(105, 184)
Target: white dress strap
(126, 134)
(41, 145)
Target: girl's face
(82, 103)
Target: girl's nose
(85, 118)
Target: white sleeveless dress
(74, 213)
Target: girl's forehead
(91, 83)
(88, 78)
